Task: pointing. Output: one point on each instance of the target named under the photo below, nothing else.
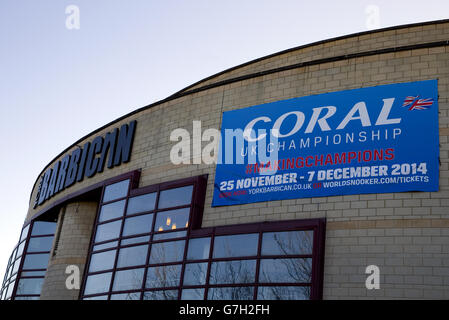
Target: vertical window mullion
(259, 254)
(150, 245)
(186, 245)
(209, 264)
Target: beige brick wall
(412, 256)
(152, 148)
(75, 226)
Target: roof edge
(316, 43)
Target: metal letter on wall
(84, 162)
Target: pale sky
(59, 84)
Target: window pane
(132, 256)
(283, 293)
(30, 286)
(33, 274)
(10, 289)
(175, 197)
(192, 294)
(290, 242)
(16, 267)
(116, 191)
(231, 293)
(27, 298)
(126, 296)
(163, 276)
(135, 240)
(98, 283)
(106, 245)
(20, 249)
(108, 231)
(172, 220)
(240, 271)
(141, 203)
(40, 244)
(161, 295)
(195, 274)
(102, 261)
(167, 252)
(169, 235)
(138, 225)
(36, 261)
(14, 253)
(231, 246)
(97, 298)
(128, 280)
(24, 233)
(198, 249)
(43, 227)
(112, 210)
(285, 270)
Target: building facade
(137, 226)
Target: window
(116, 191)
(231, 246)
(140, 241)
(28, 263)
(150, 250)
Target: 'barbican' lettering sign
(369, 140)
(115, 147)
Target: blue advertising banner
(371, 140)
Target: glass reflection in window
(43, 228)
(138, 225)
(283, 293)
(36, 261)
(141, 203)
(106, 245)
(161, 295)
(169, 235)
(108, 231)
(285, 270)
(132, 256)
(237, 271)
(30, 286)
(195, 273)
(116, 191)
(112, 210)
(24, 233)
(104, 297)
(198, 249)
(102, 261)
(20, 249)
(135, 240)
(167, 252)
(192, 294)
(98, 283)
(126, 296)
(175, 197)
(32, 273)
(231, 246)
(172, 220)
(231, 293)
(40, 244)
(163, 276)
(287, 242)
(128, 280)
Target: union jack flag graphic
(416, 103)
